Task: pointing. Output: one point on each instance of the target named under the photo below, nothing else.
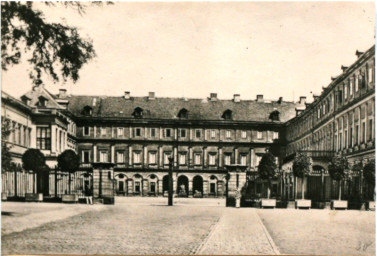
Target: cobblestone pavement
(322, 232)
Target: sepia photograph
(179, 128)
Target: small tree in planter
(302, 166)
(69, 161)
(339, 170)
(34, 160)
(267, 171)
(370, 176)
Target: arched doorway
(153, 182)
(121, 188)
(316, 184)
(165, 185)
(182, 186)
(213, 185)
(197, 186)
(138, 184)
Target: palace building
(137, 135)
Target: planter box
(339, 204)
(371, 205)
(30, 197)
(71, 198)
(4, 196)
(302, 203)
(268, 203)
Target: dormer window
(42, 101)
(87, 111)
(25, 100)
(227, 115)
(138, 112)
(183, 113)
(275, 115)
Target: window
(85, 156)
(259, 135)
(275, 115)
(152, 157)
(120, 132)
(137, 157)
(350, 138)
(212, 159)
(243, 134)
(357, 135)
(213, 134)
(137, 132)
(275, 135)
(345, 92)
(363, 133)
(351, 87)
(153, 187)
(370, 130)
(103, 131)
(243, 159)
(227, 159)
(370, 74)
(138, 112)
(197, 159)
(120, 157)
(340, 141)
(86, 130)
(258, 158)
(228, 134)
(345, 139)
(153, 132)
(137, 186)
(87, 111)
(103, 156)
(44, 138)
(182, 158)
(227, 115)
(166, 158)
(183, 113)
(168, 133)
(356, 84)
(198, 134)
(183, 133)
(212, 188)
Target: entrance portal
(182, 186)
(197, 186)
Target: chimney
(358, 54)
(236, 98)
(315, 97)
(62, 93)
(127, 95)
(344, 68)
(280, 100)
(151, 96)
(298, 111)
(260, 98)
(302, 100)
(333, 78)
(213, 97)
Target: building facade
(137, 135)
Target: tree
(69, 161)
(34, 160)
(339, 170)
(51, 46)
(267, 169)
(370, 174)
(302, 166)
(6, 157)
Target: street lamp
(170, 197)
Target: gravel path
(239, 231)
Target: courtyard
(192, 226)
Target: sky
(191, 49)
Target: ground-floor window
(137, 186)
(213, 188)
(153, 187)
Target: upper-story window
(243, 134)
(137, 157)
(356, 83)
(275, 135)
(138, 112)
(198, 134)
(42, 101)
(137, 132)
(153, 132)
(227, 158)
(275, 115)
(228, 134)
(183, 113)
(152, 157)
(166, 157)
(44, 138)
(120, 131)
(182, 133)
(103, 131)
(212, 159)
(370, 74)
(87, 111)
(351, 87)
(213, 134)
(103, 156)
(197, 159)
(120, 157)
(227, 115)
(243, 159)
(86, 130)
(182, 158)
(168, 133)
(259, 135)
(345, 91)
(85, 156)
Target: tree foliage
(69, 161)
(55, 49)
(302, 165)
(370, 172)
(6, 157)
(339, 167)
(33, 160)
(267, 166)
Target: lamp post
(170, 197)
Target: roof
(168, 108)
(39, 91)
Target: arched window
(138, 112)
(227, 115)
(87, 111)
(275, 115)
(183, 113)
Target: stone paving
(192, 226)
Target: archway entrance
(197, 186)
(315, 184)
(165, 184)
(182, 186)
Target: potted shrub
(339, 170)
(369, 172)
(69, 161)
(302, 166)
(267, 171)
(34, 160)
